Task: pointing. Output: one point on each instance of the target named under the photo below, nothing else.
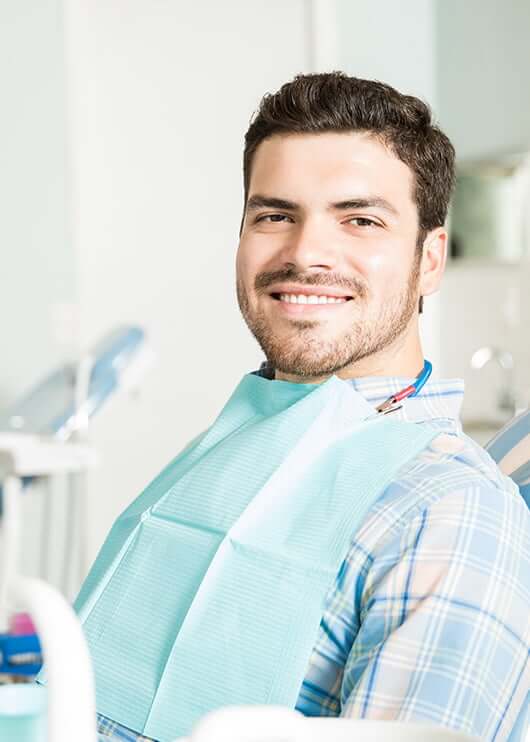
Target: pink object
(21, 624)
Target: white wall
(160, 95)
(38, 271)
(483, 74)
(390, 41)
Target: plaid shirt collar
(440, 399)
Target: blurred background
(120, 182)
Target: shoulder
(451, 526)
(453, 477)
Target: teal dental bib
(210, 587)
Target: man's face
(327, 266)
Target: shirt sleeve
(444, 629)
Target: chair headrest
(511, 450)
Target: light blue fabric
(210, 587)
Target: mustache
(268, 278)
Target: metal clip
(384, 410)
(393, 408)
(391, 405)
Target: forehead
(313, 168)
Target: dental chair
(510, 448)
(277, 724)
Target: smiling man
(308, 549)
(347, 184)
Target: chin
(305, 365)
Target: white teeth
(311, 299)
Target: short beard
(304, 355)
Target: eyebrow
(267, 202)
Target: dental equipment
(64, 401)
(61, 407)
(71, 695)
(279, 724)
(507, 402)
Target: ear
(433, 261)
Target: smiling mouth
(310, 299)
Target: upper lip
(289, 288)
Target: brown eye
(362, 221)
(272, 218)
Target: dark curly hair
(334, 102)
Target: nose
(310, 246)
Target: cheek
(384, 271)
(250, 261)
(377, 273)
(376, 264)
(243, 268)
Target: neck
(404, 357)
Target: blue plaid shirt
(429, 617)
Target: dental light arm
(65, 400)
